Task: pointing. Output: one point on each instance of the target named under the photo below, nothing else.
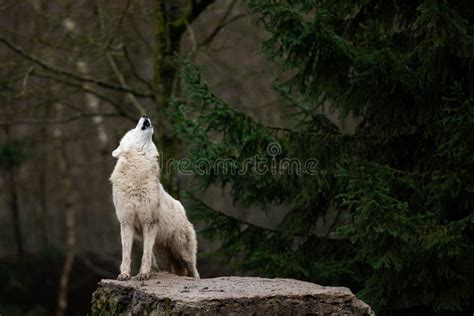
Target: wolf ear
(117, 152)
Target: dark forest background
(378, 95)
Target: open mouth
(146, 124)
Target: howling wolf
(143, 206)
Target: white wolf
(144, 207)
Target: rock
(166, 294)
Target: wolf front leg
(126, 232)
(149, 235)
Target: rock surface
(166, 294)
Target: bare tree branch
(139, 35)
(72, 75)
(86, 89)
(10, 5)
(117, 27)
(123, 83)
(134, 70)
(198, 6)
(25, 81)
(111, 60)
(53, 121)
(190, 12)
(220, 25)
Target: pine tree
(404, 180)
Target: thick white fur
(144, 207)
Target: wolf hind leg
(185, 256)
(163, 258)
(154, 263)
(183, 265)
(167, 261)
(178, 268)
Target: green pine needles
(402, 184)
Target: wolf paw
(143, 276)
(123, 277)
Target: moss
(109, 300)
(102, 305)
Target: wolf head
(138, 139)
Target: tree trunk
(69, 214)
(13, 204)
(15, 212)
(167, 42)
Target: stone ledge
(166, 294)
